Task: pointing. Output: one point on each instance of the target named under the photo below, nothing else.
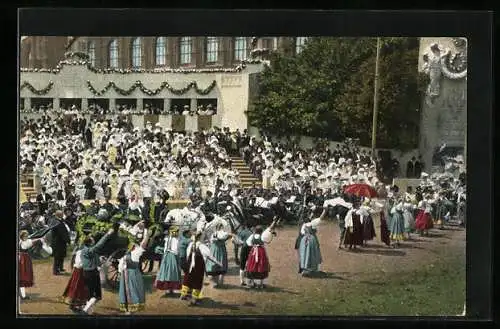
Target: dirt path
(283, 283)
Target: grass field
(425, 276)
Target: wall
(444, 119)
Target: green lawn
(431, 291)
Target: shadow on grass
(210, 303)
(227, 286)
(383, 252)
(175, 295)
(274, 289)
(37, 298)
(409, 246)
(324, 275)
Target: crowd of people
(124, 109)
(107, 160)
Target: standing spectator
(43, 201)
(419, 167)
(410, 168)
(59, 243)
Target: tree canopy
(327, 91)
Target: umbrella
(361, 190)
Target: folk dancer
(76, 293)
(169, 274)
(354, 228)
(423, 222)
(90, 261)
(192, 284)
(219, 251)
(132, 296)
(25, 265)
(366, 218)
(309, 248)
(397, 224)
(257, 265)
(409, 220)
(240, 239)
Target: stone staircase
(27, 189)
(247, 179)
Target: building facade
(170, 74)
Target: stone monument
(444, 107)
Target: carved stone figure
(439, 63)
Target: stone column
(85, 104)
(166, 104)
(112, 104)
(140, 105)
(27, 103)
(56, 103)
(193, 104)
(191, 123)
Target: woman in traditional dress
(132, 296)
(76, 293)
(309, 248)
(257, 265)
(112, 152)
(368, 227)
(354, 228)
(241, 238)
(169, 275)
(423, 222)
(385, 234)
(25, 265)
(397, 225)
(408, 217)
(219, 251)
(192, 284)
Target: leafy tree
(327, 91)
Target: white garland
(59, 66)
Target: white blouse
(78, 260)
(26, 244)
(171, 245)
(266, 237)
(219, 235)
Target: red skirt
(257, 269)
(76, 292)
(167, 285)
(25, 270)
(423, 221)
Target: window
(299, 44)
(113, 54)
(137, 53)
(161, 55)
(186, 48)
(212, 49)
(267, 43)
(91, 52)
(240, 48)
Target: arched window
(137, 52)
(161, 54)
(240, 48)
(91, 52)
(185, 50)
(113, 54)
(299, 44)
(212, 48)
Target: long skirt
(193, 279)
(219, 251)
(244, 251)
(409, 221)
(132, 294)
(397, 226)
(76, 293)
(25, 270)
(93, 283)
(297, 241)
(423, 221)
(368, 229)
(169, 274)
(385, 235)
(310, 253)
(257, 265)
(354, 235)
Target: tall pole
(375, 101)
